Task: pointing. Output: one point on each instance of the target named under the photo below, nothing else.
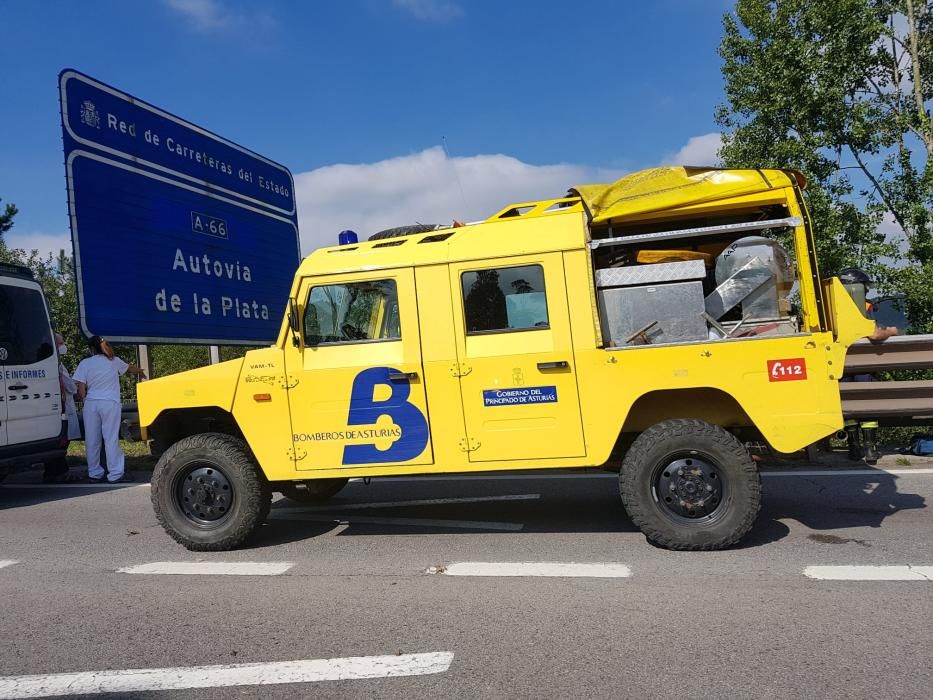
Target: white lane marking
(485, 476)
(416, 522)
(210, 568)
(850, 472)
(870, 573)
(7, 562)
(102, 485)
(224, 676)
(423, 502)
(534, 568)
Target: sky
(387, 112)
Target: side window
(24, 326)
(504, 299)
(352, 312)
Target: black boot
(869, 436)
(855, 449)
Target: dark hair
(95, 342)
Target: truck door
(3, 396)
(517, 373)
(30, 368)
(357, 393)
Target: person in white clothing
(98, 380)
(56, 471)
(69, 389)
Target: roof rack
(791, 221)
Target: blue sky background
(355, 97)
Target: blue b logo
(365, 411)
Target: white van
(31, 411)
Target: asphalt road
(741, 623)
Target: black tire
(689, 485)
(409, 230)
(208, 492)
(312, 490)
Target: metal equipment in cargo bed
(659, 303)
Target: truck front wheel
(208, 492)
(689, 485)
(313, 490)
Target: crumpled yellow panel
(673, 186)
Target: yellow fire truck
(656, 323)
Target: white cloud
(893, 233)
(699, 150)
(214, 15)
(45, 243)
(424, 187)
(431, 10)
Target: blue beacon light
(347, 237)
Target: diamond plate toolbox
(651, 274)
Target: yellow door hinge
(289, 382)
(458, 369)
(469, 445)
(296, 454)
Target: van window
(353, 312)
(504, 299)
(24, 326)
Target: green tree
(6, 219)
(56, 274)
(841, 90)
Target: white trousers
(102, 424)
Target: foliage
(6, 219)
(840, 89)
(57, 277)
(57, 280)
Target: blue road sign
(180, 236)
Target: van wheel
(689, 485)
(313, 490)
(208, 492)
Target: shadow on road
(589, 504)
(573, 506)
(837, 502)
(23, 494)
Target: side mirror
(293, 316)
(293, 322)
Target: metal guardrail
(899, 352)
(129, 421)
(892, 403)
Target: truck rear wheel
(313, 490)
(689, 485)
(208, 492)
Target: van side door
(3, 396)
(517, 371)
(30, 370)
(357, 392)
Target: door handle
(402, 376)
(559, 364)
(18, 387)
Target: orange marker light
(262, 397)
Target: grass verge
(137, 455)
